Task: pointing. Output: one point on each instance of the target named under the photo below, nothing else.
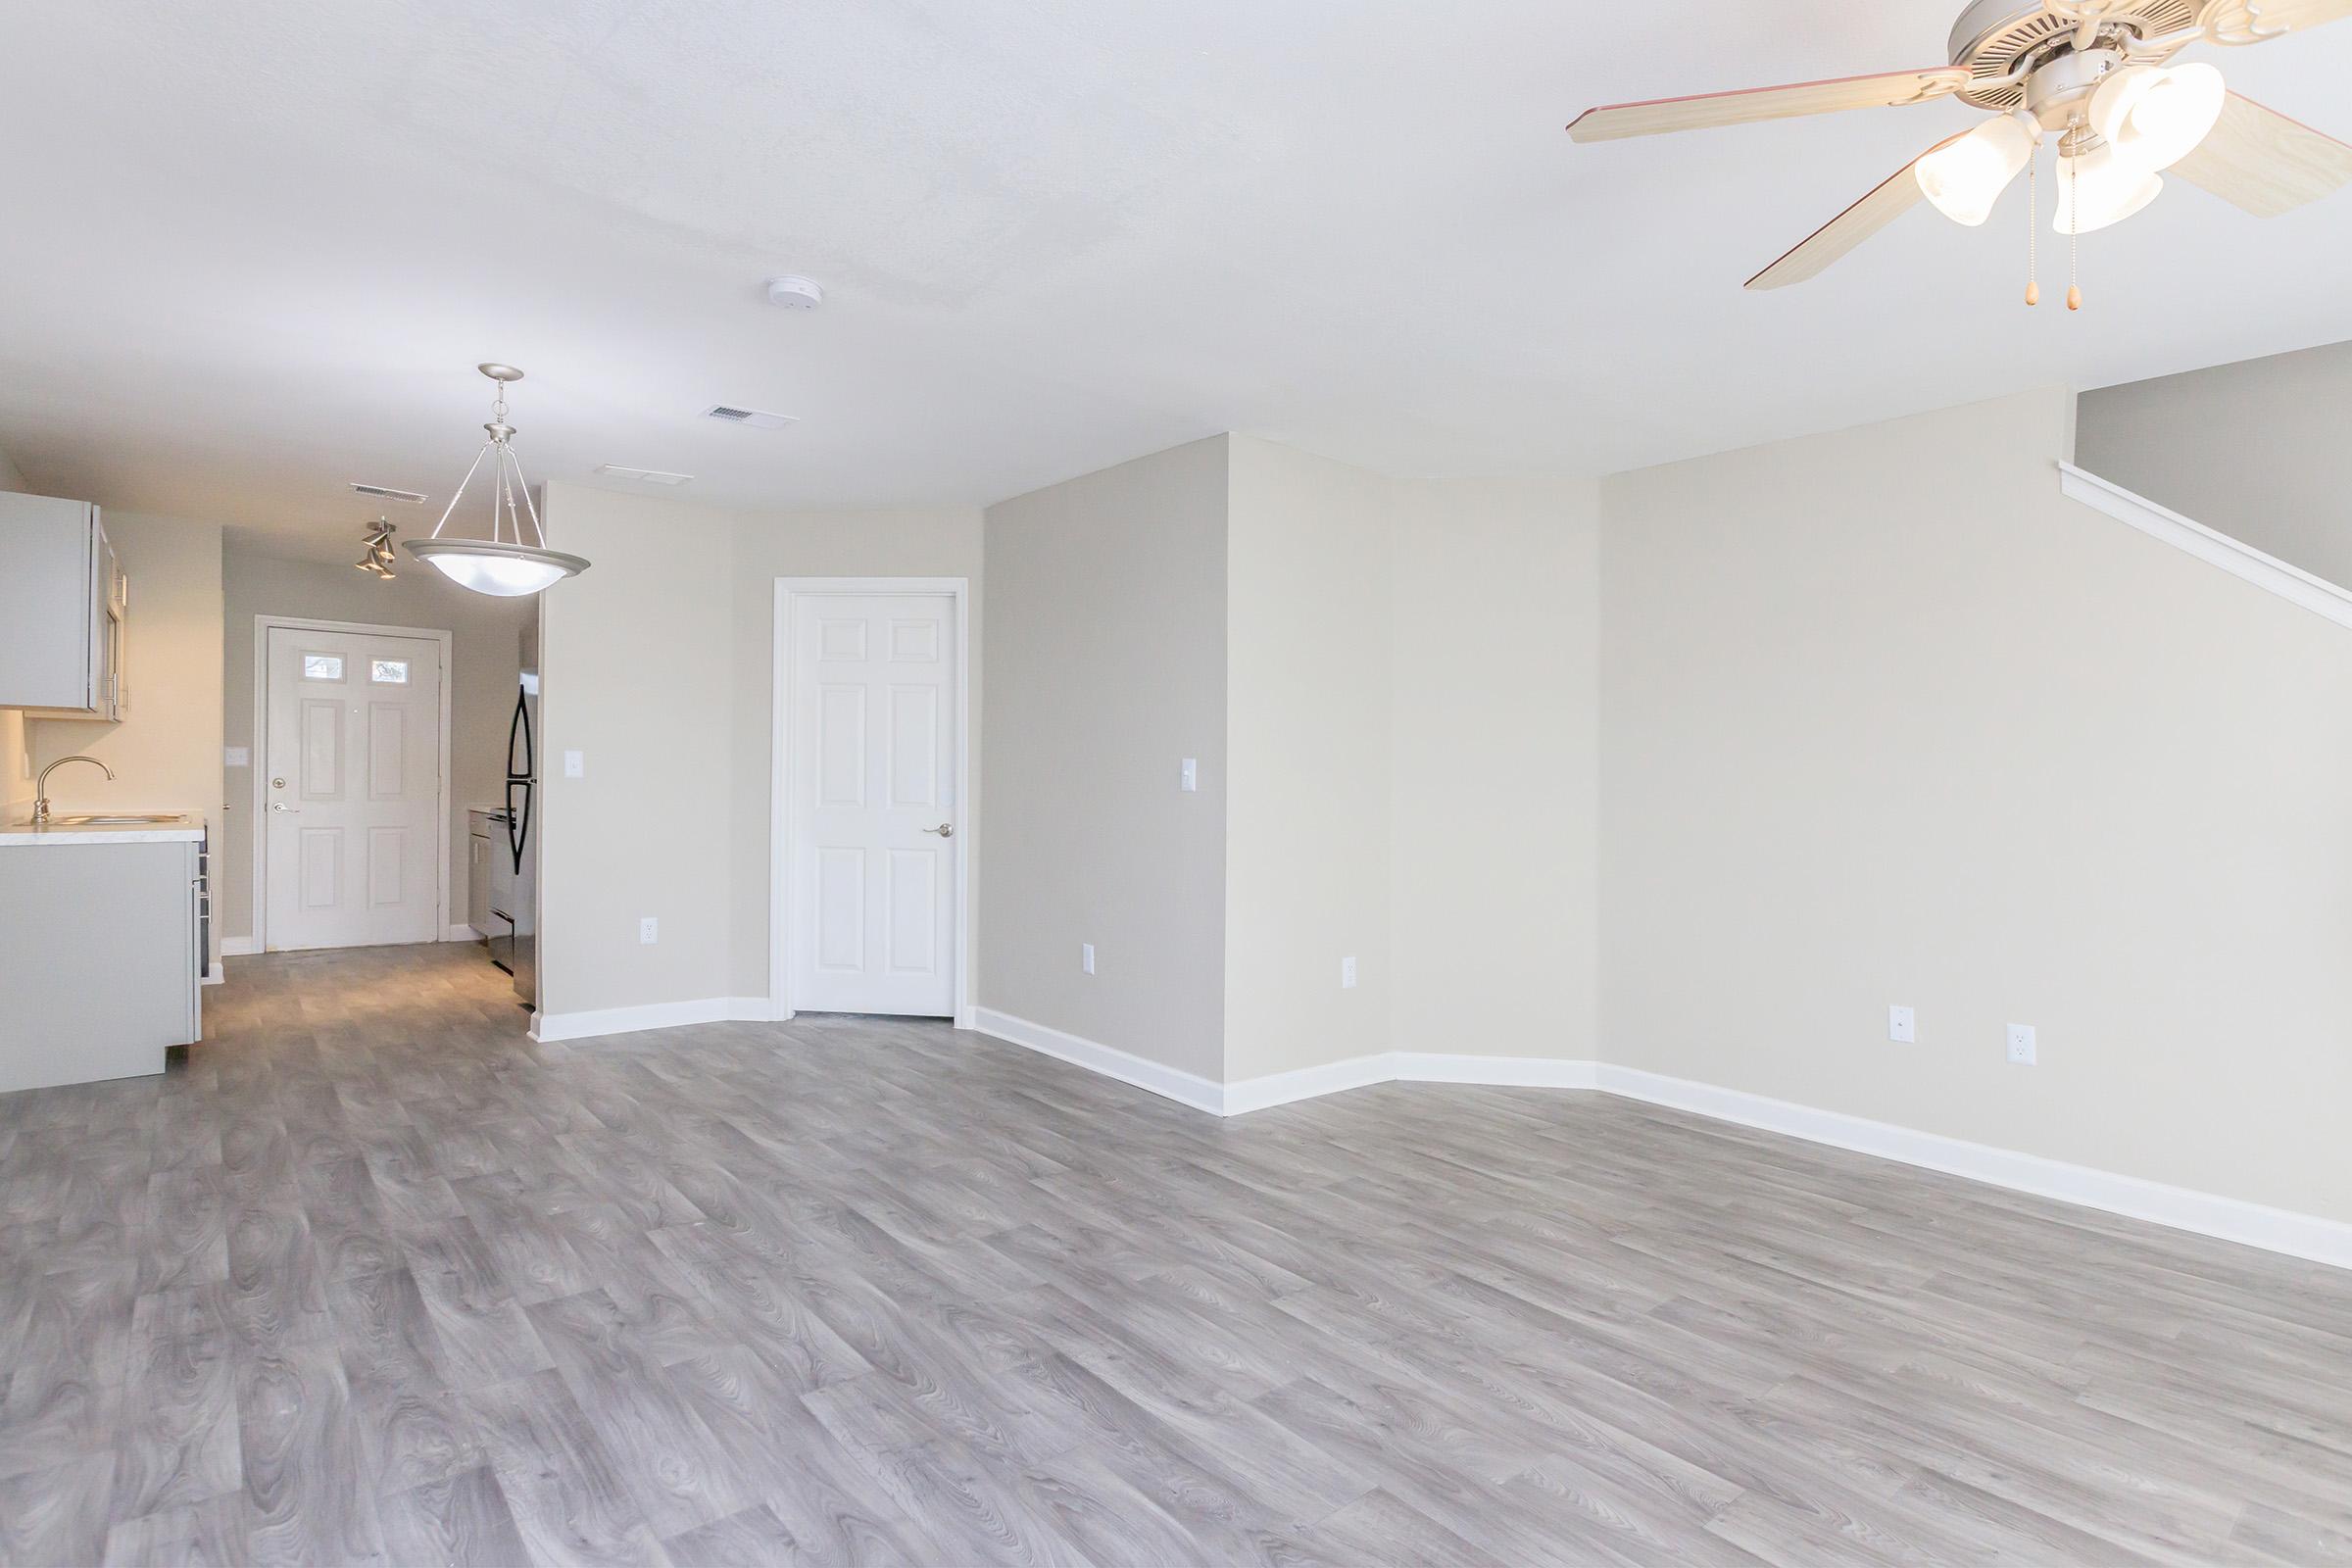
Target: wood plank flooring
(373, 1279)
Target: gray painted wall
(1105, 626)
(1982, 750)
(2260, 450)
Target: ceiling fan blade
(2253, 21)
(2258, 159)
(1885, 91)
(1887, 201)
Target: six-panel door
(351, 790)
(872, 753)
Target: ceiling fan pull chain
(2074, 233)
(2033, 227)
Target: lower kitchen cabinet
(104, 949)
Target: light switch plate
(1900, 1027)
(575, 765)
(2022, 1048)
(1191, 777)
(236, 757)
(1086, 957)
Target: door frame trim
(262, 624)
(780, 802)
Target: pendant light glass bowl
(502, 567)
(504, 571)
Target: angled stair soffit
(2235, 557)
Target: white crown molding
(2241, 559)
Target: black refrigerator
(521, 916)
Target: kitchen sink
(115, 820)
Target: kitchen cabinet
(64, 601)
(104, 937)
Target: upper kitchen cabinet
(63, 598)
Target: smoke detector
(642, 475)
(756, 418)
(385, 493)
(795, 293)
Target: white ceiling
(251, 251)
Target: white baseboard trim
(2229, 1219)
(460, 933)
(1185, 1088)
(1247, 1095)
(239, 947)
(548, 1027)
(216, 974)
(1508, 1072)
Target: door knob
(945, 830)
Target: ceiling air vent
(388, 494)
(615, 470)
(756, 418)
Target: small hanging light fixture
(500, 566)
(379, 556)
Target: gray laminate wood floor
(372, 1279)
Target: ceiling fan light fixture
(2155, 116)
(2097, 188)
(1966, 176)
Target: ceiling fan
(2092, 73)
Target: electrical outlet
(1086, 957)
(575, 765)
(1348, 974)
(2022, 1048)
(649, 930)
(1900, 1026)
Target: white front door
(873, 751)
(352, 812)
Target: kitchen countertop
(189, 829)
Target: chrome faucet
(40, 790)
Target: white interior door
(352, 812)
(873, 758)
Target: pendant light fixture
(500, 566)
